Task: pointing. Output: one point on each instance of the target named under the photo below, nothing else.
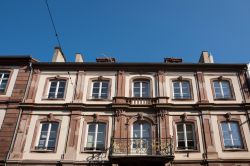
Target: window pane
(43, 135)
(146, 130)
(181, 144)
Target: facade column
(201, 87)
(79, 85)
(33, 87)
(120, 84)
(73, 135)
(244, 86)
(161, 84)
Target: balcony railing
(141, 147)
(140, 100)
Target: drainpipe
(19, 114)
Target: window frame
(99, 89)
(231, 88)
(37, 132)
(185, 136)
(180, 83)
(47, 137)
(189, 119)
(233, 118)
(8, 81)
(90, 89)
(141, 81)
(141, 78)
(95, 141)
(48, 85)
(95, 118)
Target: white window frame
(48, 135)
(221, 90)
(2, 78)
(57, 87)
(141, 81)
(96, 131)
(100, 89)
(231, 135)
(185, 136)
(181, 91)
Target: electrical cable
(52, 21)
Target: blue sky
(129, 30)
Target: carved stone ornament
(95, 117)
(50, 117)
(184, 117)
(118, 114)
(162, 114)
(228, 116)
(140, 116)
(220, 78)
(57, 76)
(100, 78)
(180, 78)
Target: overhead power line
(52, 21)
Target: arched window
(141, 88)
(222, 89)
(141, 130)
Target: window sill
(43, 151)
(225, 99)
(92, 99)
(56, 99)
(234, 150)
(184, 99)
(187, 151)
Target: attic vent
(173, 60)
(112, 60)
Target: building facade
(108, 113)
(14, 76)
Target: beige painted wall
(235, 82)
(29, 155)
(41, 90)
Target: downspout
(204, 155)
(19, 114)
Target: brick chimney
(107, 59)
(58, 55)
(206, 57)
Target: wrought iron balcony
(141, 147)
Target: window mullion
(221, 90)
(181, 93)
(1, 79)
(231, 135)
(185, 135)
(100, 89)
(57, 87)
(96, 130)
(48, 134)
(140, 89)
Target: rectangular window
(100, 89)
(48, 136)
(222, 89)
(181, 90)
(185, 136)
(96, 136)
(4, 77)
(57, 89)
(141, 88)
(231, 135)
